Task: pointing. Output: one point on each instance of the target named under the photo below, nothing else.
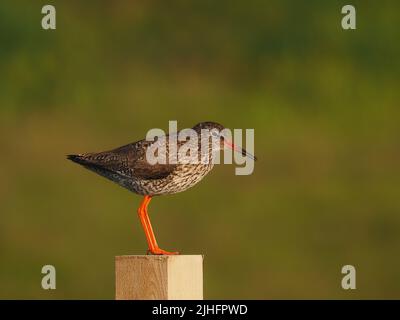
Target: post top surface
(160, 257)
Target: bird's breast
(181, 179)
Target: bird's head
(219, 137)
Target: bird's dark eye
(214, 133)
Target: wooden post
(177, 277)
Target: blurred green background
(324, 104)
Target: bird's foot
(158, 251)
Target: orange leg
(148, 230)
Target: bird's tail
(78, 158)
(92, 161)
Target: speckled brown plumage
(128, 167)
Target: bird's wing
(129, 160)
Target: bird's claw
(158, 251)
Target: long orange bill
(239, 149)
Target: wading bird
(129, 167)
